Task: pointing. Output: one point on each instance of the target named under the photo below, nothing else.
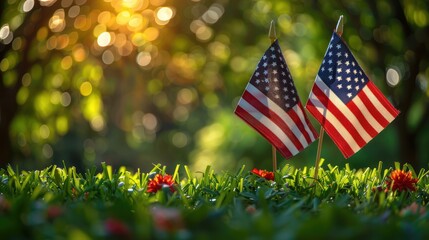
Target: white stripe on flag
(300, 113)
(344, 109)
(331, 118)
(377, 104)
(269, 124)
(371, 120)
(262, 98)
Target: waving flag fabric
(270, 104)
(348, 105)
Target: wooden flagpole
(273, 37)
(339, 30)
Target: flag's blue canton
(341, 72)
(272, 77)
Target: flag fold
(270, 104)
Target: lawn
(60, 203)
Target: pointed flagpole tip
(340, 26)
(272, 32)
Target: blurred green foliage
(137, 82)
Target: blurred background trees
(140, 82)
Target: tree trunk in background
(8, 109)
(8, 105)
(408, 147)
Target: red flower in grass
(264, 174)
(413, 208)
(401, 181)
(116, 227)
(160, 181)
(167, 219)
(54, 212)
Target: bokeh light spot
(85, 89)
(4, 32)
(47, 3)
(150, 122)
(392, 77)
(26, 80)
(62, 125)
(164, 13)
(157, 2)
(151, 33)
(28, 5)
(138, 39)
(47, 151)
(66, 62)
(55, 97)
(185, 96)
(179, 139)
(66, 3)
(57, 22)
(97, 123)
(108, 57)
(42, 34)
(79, 53)
(143, 59)
(4, 65)
(104, 39)
(204, 33)
(136, 22)
(74, 11)
(44, 131)
(123, 18)
(65, 99)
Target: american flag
(348, 105)
(270, 104)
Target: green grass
(59, 203)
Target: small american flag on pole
(270, 104)
(348, 105)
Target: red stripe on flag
(264, 131)
(331, 130)
(274, 118)
(373, 109)
(362, 119)
(310, 126)
(339, 115)
(300, 124)
(383, 100)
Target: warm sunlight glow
(99, 29)
(164, 13)
(123, 18)
(104, 39)
(57, 22)
(47, 3)
(138, 39)
(136, 23)
(79, 53)
(150, 34)
(143, 59)
(131, 3)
